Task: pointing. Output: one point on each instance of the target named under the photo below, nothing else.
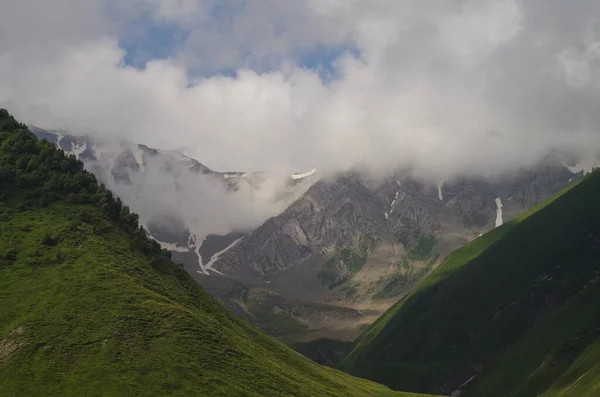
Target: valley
(512, 313)
(265, 198)
(87, 291)
(91, 306)
(326, 256)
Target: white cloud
(445, 86)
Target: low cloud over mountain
(444, 87)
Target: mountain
(354, 214)
(89, 305)
(198, 214)
(513, 313)
(300, 256)
(186, 206)
(323, 351)
(361, 243)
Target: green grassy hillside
(514, 312)
(90, 307)
(323, 351)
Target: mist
(444, 87)
(169, 190)
(203, 202)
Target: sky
(446, 87)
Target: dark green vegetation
(291, 320)
(408, 276)
(350, 290)
(272, 322)
(515, 311)
(90, 307)
(397, 282)
(34, 174)
(341, 267)
(323, 351)
(412, 267)
(423, 250)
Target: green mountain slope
(326, 352)
(90, 307)
(513, 313)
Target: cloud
(168, 187)
(447, 87)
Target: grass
(397, 283)
(350, 290)
(323, 351)
(90, 307)
(273, 323)
(404, 264)
(431, 262)
(328, 276)
(87, 314)
(488, 310)
(556, 357)
(353, 260)
(423, 250)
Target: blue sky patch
(322, 59)
(149, 40)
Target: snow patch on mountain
(173, 247)
(138, 154)
(304, 175)
(77, 149)
(439, 189)
(387, 214)
(195, 244)
(499, 220)
(217, 256)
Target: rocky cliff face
(329, 217)
(418, 223)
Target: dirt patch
(18, 331)
(9, 346)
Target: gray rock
(335, 215)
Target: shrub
(10, 254)
(48, 239)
